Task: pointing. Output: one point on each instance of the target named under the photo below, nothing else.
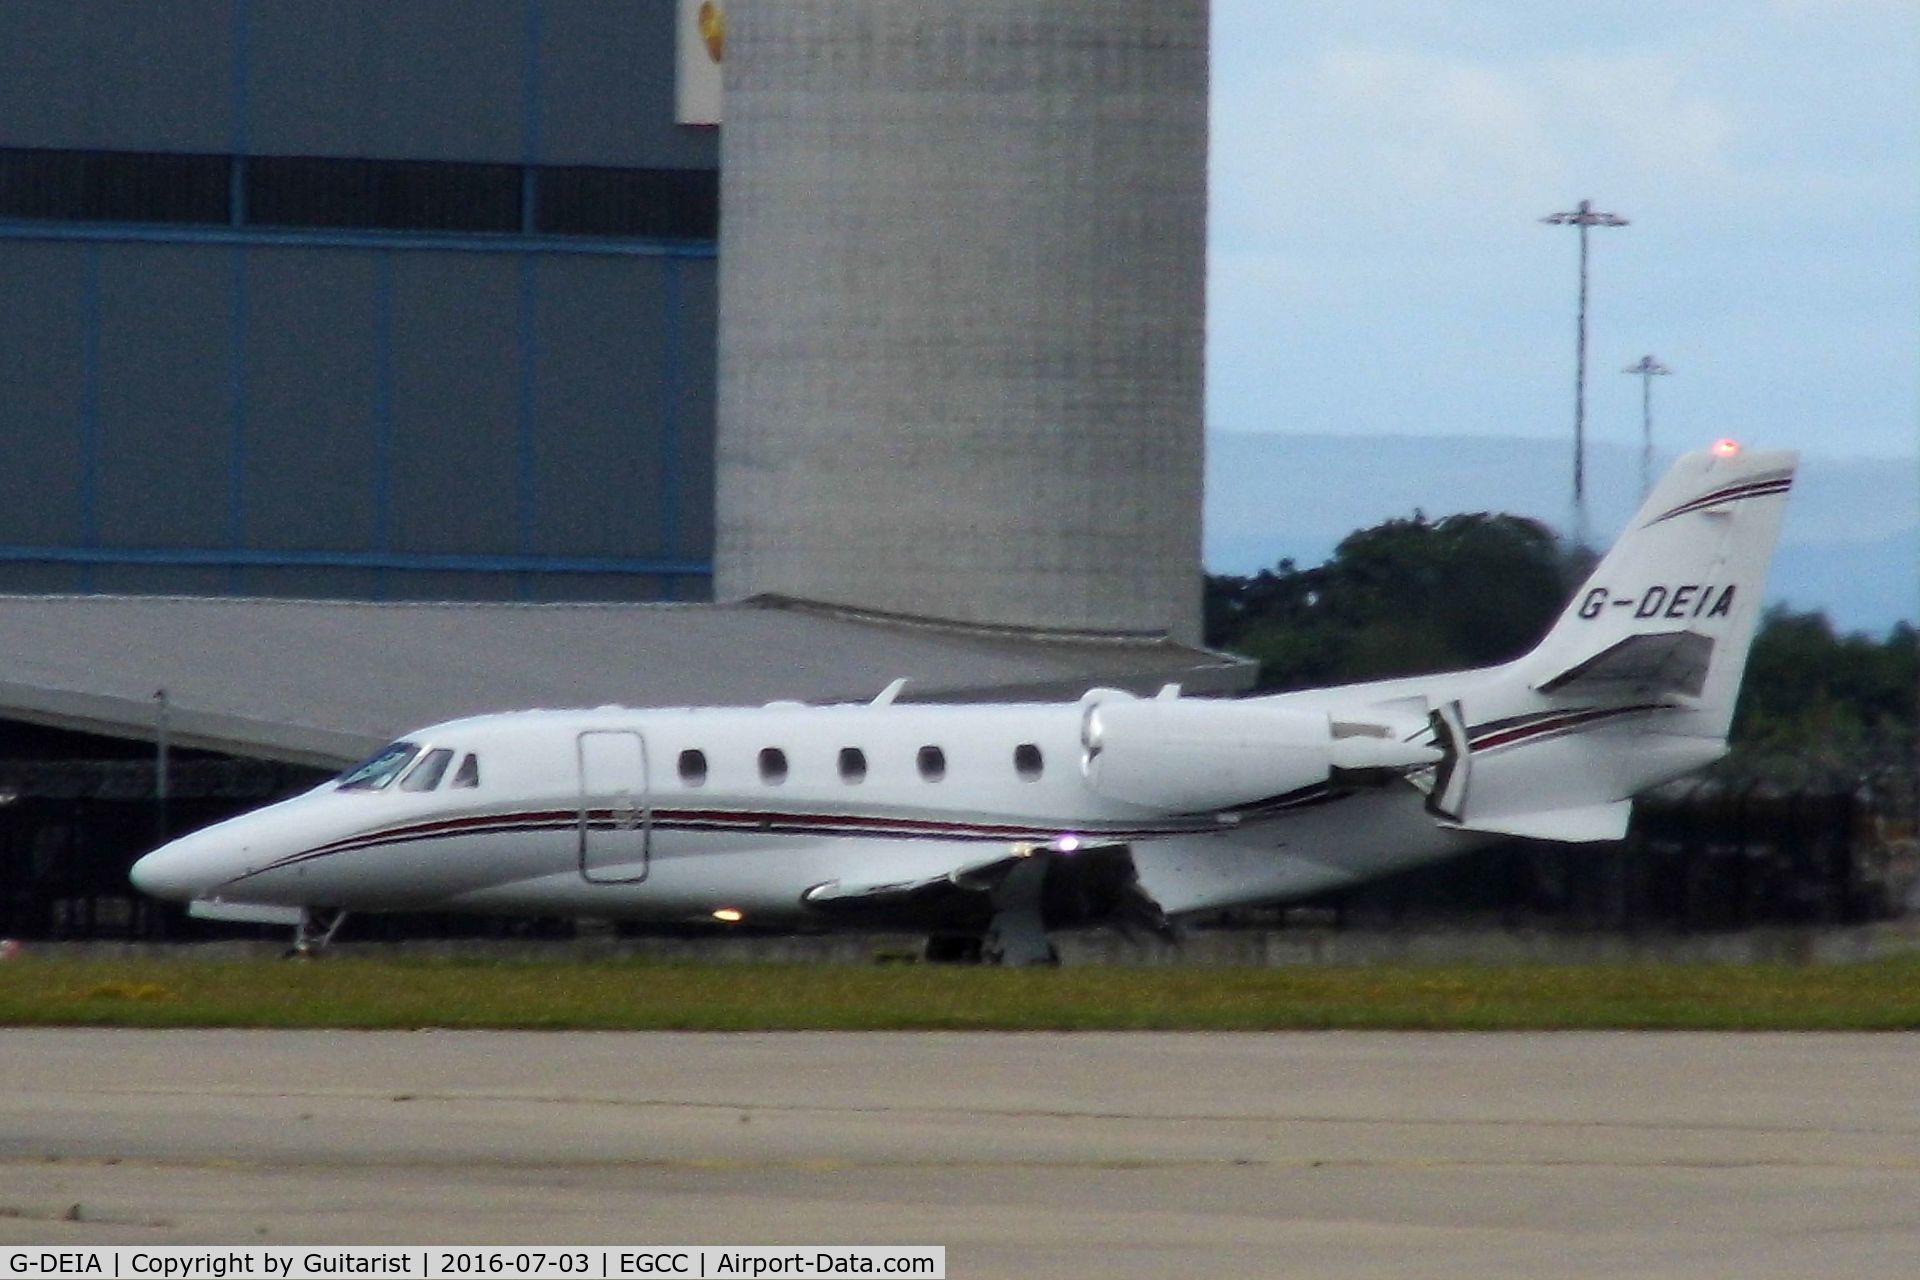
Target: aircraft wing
(979, 876)
(1092, 885)
(242, 912)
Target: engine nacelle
(1184, 755)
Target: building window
(362, 194)
(773, 766)
(671, 204)
(693, 767)
(386, 195)
(113, 186)
(1028, 762)
(853, 764)
(933, 763)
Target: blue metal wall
(353, 412)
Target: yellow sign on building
(702, 39)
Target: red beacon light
(1725, 448)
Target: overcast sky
(1379, 166)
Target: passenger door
(616, 812)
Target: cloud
(1901, 11)
(1643, 111)
(1395, 136)
(1436, 122)
(1378, 170)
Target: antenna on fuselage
(885, 697)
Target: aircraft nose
(179, 871)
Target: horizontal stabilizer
(1650, 662)
(242, 912)
(1588, 824)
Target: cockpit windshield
(384, 765)
(426, 775)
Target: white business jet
(991, 826)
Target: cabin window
(1028, 762)
(426, 775)
(933, 763)
(693, 767)
(853, 764)
(380, 769)
(773, 766)
(468, 774)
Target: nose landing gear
(315, 930)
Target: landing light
(729, 915)
(1067, 844)
(1725, 448)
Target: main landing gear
(1016, 933)
(315, 930)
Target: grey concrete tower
(962, 291)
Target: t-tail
(1638, 678)
(1673, 607)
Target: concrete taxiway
(1113, 1155)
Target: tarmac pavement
(1366, 1154)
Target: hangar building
(355, 299)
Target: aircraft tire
(953, 948)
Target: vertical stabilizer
(1673, 607)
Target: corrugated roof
(324, 681)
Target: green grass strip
(354, 992)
